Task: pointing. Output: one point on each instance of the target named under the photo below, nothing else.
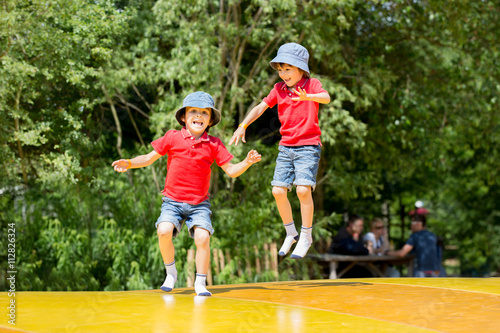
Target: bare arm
(255, 113)
(385, 242)
(401, 253)
(235, 170)
(136, 162)
(385, 246)
(323, 98)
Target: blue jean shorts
(178, 212)
(423, 274)
(297, 166)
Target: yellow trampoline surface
(348, 305)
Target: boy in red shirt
(298, 98)
(191, 152)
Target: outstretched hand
(239, 133)
(120, 165)
(253, 157)
(302, 95)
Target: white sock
(291, 237)
(200, 285)
(303, 245)
(169, 282)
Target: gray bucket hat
(198, 99)
(292, 54)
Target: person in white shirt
(379, 241)
(377, 236)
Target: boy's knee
(201, 237)
(165, 230)
(304, 192)
(279, 192)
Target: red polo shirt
(299, 119)
(189, 162)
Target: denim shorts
(178, 212)
(297, 166)
(423, 274)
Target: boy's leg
(202, 241)
(307, 211)
(165, 232)
(306, 205)
(285, 210)
(306, 166)
(284, 207)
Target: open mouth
(198, 123)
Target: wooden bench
(368, 261)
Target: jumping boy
(298, 98)
(191, 152)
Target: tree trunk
(118, 129)
(19, 145)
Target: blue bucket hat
(292, 54)
(200, 100)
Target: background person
(349, 240)
(380, 239)
(377, 236)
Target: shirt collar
(187, 135)
(301, 83)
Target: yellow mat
(348, 305)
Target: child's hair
(280, 65)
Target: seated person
(377, 236)
(348, 239)
(423, 243)
(380, 240)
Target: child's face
(197, 120)
(289, 74)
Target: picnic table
(369, 261)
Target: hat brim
(290, 60)
(215, 118)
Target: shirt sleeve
(272, 99)
(316, 87)
(349, 246)
(163, 144)
(412, 240)
(222, 155)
